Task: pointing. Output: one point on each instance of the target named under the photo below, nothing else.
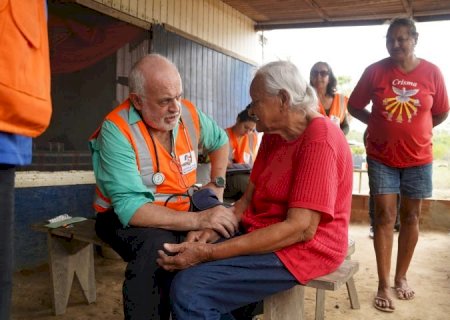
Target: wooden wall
(211, 21)
(217, 83)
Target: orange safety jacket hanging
(176, 183)
(25, 102)
(338, 108)
(242, 150)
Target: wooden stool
(289, 304)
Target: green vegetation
(358, 150)
(441, 145)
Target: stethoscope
(158, 177)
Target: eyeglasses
(322, 73)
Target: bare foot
(404, 292)
(383, 302)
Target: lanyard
(158, 177)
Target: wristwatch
(219, 182)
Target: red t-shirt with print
(313, 172)
(400, 125)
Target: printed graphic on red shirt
(403, 106)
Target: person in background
(145, 158)
(243, 142)
(294, 214)
(25, 111)
(409, 98)
(331, 103)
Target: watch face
(220, 182)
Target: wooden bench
(71, 252)
(289, 304)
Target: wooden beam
(317, 9)
(408, 8)
(349, 21)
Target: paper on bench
(61, 217)
(61, 223)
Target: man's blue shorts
(412, 182)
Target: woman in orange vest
(243, 147)
(331, 104)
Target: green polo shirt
(115, 169)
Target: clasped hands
(213, 223)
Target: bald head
(149, 70)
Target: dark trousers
(146, 286)
(7, 175)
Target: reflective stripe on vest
(252, 145)
(144, 156)
(143, 153)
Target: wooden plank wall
(216, 83)
(127, 56)
(209, 20)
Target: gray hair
(136, 79)
(284, 75)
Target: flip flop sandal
(401, 293)
(384, 309)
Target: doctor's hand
(204, 236)
(186, 254)
(220, 219)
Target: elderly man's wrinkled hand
(186, 254)
(220, 219)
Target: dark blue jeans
(211, 289)
(7, 174)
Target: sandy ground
(429, 275)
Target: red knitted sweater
(314, 171)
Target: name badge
(188, 162)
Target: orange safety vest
(242, 150)
(186, 152)
(338, 108)
(25, 102)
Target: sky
(349, 50)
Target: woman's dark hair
(332, 81)
(404, 22)
(244, 116)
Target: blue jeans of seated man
(212, 289)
